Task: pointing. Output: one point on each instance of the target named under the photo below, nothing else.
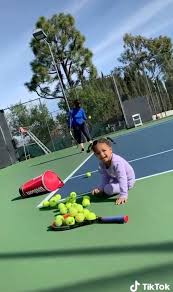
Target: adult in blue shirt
(77, 118)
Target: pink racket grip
(114, 219)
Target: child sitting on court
(117, 174)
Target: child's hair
(108, 141)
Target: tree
(36, 118)
(151, 54)
(73, 60)
(147, 59)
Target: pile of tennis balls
(72, 212)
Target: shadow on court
(26, 198)
(120, 282)
(59, 158)
(17, 199)
(162, 247)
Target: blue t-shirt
(77, 116)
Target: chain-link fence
(103, 100)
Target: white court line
(136, 130)
(148, 156)
(156, 174)
(83, 174)
(140, 178)
(133, 160)
(65, 180)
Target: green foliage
(98, 97)
(73, 60)
(145, 62)
(150, 54)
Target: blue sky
(103, 23)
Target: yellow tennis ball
(86, 197)
(72, 200)
(58, 220)
(59, 217)
(80, 217)
(73, 195)
(58, 197)
(86, 212)
(68, 205)
(79, 208)
(85, 203)
(53, 202)
(92, 216)
(73, 211)
(63, 210)
(88, 174)
(70, 220)
(89, 117)
(74, 205)
(61, 205)
(46, 204)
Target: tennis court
(96, 257)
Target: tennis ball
(53, 202)
(68, 205)
(87, 216)
(92, 216)
(63, 210)
(45, 204)
(86, 197)
(89, 117)
(70, 220)
(86, 212)
(58, 197)
(73, 195)
(73, 211)
(72, 200)
(88, 174)
(58, 220)
(85, 203)
(80, 217)
(79, 208)
(61, 205)
(59, 217)
(74, 205)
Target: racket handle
(114, 219)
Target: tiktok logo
(134, 287)
(150, 286)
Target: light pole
(39, 35)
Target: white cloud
(77, 6)
(141, 17)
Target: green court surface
(91, 258)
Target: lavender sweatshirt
(120, 171)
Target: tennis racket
(109, 219)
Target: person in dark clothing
(77, 122)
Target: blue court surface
(149, 150)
